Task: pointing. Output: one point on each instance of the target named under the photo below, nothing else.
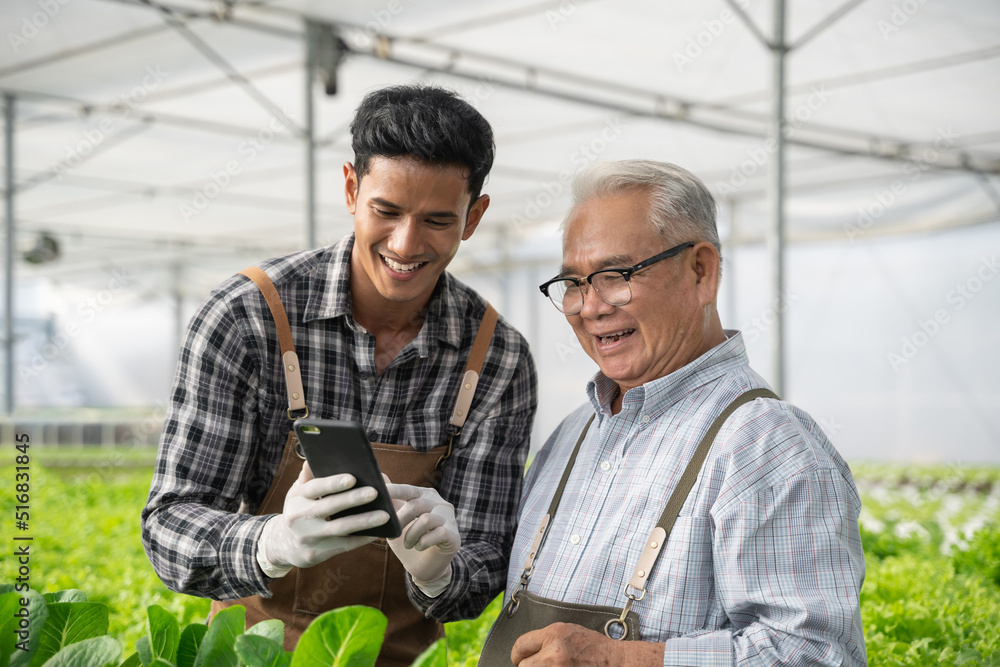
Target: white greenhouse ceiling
(168, 140)
(128, 112)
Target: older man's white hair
(682, 209)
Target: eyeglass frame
(625, 272)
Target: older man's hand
(568, 644)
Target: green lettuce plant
(68, 631)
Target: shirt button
(605, 466)
(575, 539)
(645, 419)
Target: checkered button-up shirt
(764, 565)
(226, 425)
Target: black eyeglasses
(612, 285)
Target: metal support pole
(310, 137)
(8, 320)
(776, 197)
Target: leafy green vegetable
(191, 640)
(69, 623)
(260, 651)
(132, 661)
(9, 605)
(434, 656)
(217, 649)
(164, 635)
(272, 629)
(71, 595)
(38, 613)
(345, 637)
(94, 652)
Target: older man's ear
(704, 261)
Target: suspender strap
(293, 374)
(537, 543)
(473, 369)
(658, 537)
(659, 534)
(290, 360)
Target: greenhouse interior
(154, 148)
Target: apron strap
(658, 536)
(473, 369)
(470, 380)
(293, 374)
(289, 360)
(536, 545)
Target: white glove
(301, 536)
(430, 537)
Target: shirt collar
(659, 394)
(329, 290)
(330, 297)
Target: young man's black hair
(427, 122)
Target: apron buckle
(453, 432)
(622, 620)
(293, 417)
(514, 603)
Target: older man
(684, 505)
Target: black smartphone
(334, 447)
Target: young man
(382, 335)
(684, 505)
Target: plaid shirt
(227, 424)
(764, 565)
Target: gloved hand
(301, 536)
(430, 537)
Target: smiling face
(409, 219)
(671, 318)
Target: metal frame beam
(9, 106)
(825, 23)
(213, 56)
(776, 196)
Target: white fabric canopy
(164, 141)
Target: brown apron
(526, 611)
(370, 575)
